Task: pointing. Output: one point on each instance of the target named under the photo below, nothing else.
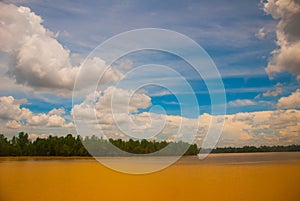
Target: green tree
(4, 146)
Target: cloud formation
(286, 57)
(10, 109)
(279, 127)
(48, 120)
(13, 113)
(291, 101)
(13, 124)
(247, 128)
(39, 60)
(110, 106)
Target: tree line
(70, 145)
(249, 149)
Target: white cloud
(122, 100)
(40, 61)
(241, 102)
(291, 101)
(280, 127)
(13, 124)
(56, 121)
(12, 112)
(247, 128)
(48, 120)
(37, 120)
(55, 111)
(10, 109)
(286, 57)
(244, 128)
(92, 69)
(123, 103)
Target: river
(220, 177)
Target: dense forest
(74, 146)
(69, 145)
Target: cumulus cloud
(244, 128)
(280, 127)
(291, 101)
(55, 111)
(247, 128)
(55, 121)
(48, 120)
(13, 124)
(118, 98)
(116, 112)
(12, 112)
(10, 109)
(122, 100)
(113, 104)
(40, 61)
(37, 120)
(286, 57)
(90, 73)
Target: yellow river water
(220, 177)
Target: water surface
(255, 176)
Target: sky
(255, 46)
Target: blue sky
(225, 29)
(239, 36)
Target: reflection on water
(226, 177)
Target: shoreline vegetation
(69, 145)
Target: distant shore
(70, 146)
